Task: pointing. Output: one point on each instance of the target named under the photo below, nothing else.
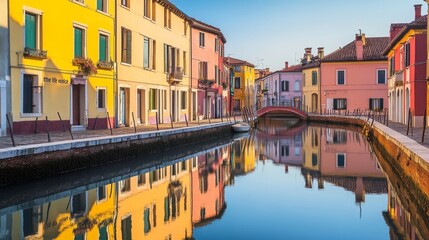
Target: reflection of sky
(269, 204)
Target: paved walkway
(414, 133)
(29, 139)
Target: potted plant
(86, 65)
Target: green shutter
(100, 5)
(78, 42)
(30, 31)
(103, 48)
(102, 233)
(146, 220)
(166, 209)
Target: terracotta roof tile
(373, 50)
(293, 68)
(420, 23)
(234, 61)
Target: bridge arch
(286, 110)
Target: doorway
(173, 106)
(123, 106)
(141, 113)
(78, 104)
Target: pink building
(207, 70)
(407, 54)
(355, 76)
(281, 87)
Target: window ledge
(149, 69)
(104, 13)
(149, 19)
(125, 7)
(30, 115)
(79, 3)
(126, 64)
(169, 29)
(103, 110)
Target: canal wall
(403, 155)
(38, 161)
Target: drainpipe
(115, 80)
(8, 72)
(191, 105)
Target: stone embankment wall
(404, 157)
(45, 160)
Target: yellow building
(4, 66)
(244, 154)
(311, 80)
(244, 80)
(311, 154)
(61, 63)
(84, 215)
(156, 205)
(153, 62)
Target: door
(76, 104)
(123, 106)
(141, 106)
(173, 105)
(194, 106)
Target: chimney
(286, 65)
(308, 54)
(359, 47)
(417, 11)
(321, 52)
(363, 39)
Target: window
(392, 66)
(126, 228)
(171, 58)
(407, 54)
(102, 5)
(103, 52)
(79, 42)
(149, 53)
(32, 28)
(31, 94)
(146, 8)
(101, 193)
(30, 220)
(376, 104)
(203, 70)
(340, 103)
(237, 69)
(153, 96)
(237, 105)
(146, 220)
(339, 137)
(216, 45)
(285, 86)
(183, 100)
(285, 151)
(184, 62)
(141, 180)
(202, 39)
(341, 160)
(216, 74)
(167, 18)
(237, 83)
(125, 3)
(381, 76)
(80, 1)
(101, 98)
(102, 230)
(166, 209)
(126, 45)
(125, 185)
(314, 78)
(314, 159)
(78, 205)
(296, 87)
(341, 77)
(303, 79)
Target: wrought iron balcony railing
(35, 53)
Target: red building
(407, 54)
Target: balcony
(396, 80)
(107, 65)
(35, 53)
(175, 75)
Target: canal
(286, 180)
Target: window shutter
(370, 104)
(381, 104)
(165, 58)
(129, 46)
(28, 94)
(30, 31)
(78, 42)
(103, 48)
(287, 86)
(335, 104)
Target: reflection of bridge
(280, 107)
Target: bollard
(208, 116)
(134, 122)
(186, 120)
(156, 120)
(47, 129)
(10, 129)
(110, 125)
(171, 122)
(35, 127)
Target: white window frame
(385, 76)
(38, 14)
(336, 160)
(85, 43)
(80, 2)
(105, 99)
(107, 34)
(39, 83)
(345, 76)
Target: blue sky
(268, 33)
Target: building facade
(244, 84)
(208, 78)
(61, 64)
(310, 66)
(355, 76)
(5, 100)
(407, 54)
(153, 62)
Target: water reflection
(187, 199)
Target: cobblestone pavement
(29, 139)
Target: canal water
(286, 180)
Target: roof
(419, 23)
(208, 28)
(234, 61)
(372, 51)
(293, 68)
(174, 9)
(314, 63)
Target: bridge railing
(277, 103)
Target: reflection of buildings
(342, 158)
(281, 140)
(85, 215)
(208, 181)
(243, 156)
(401, 220)
(156, 205)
